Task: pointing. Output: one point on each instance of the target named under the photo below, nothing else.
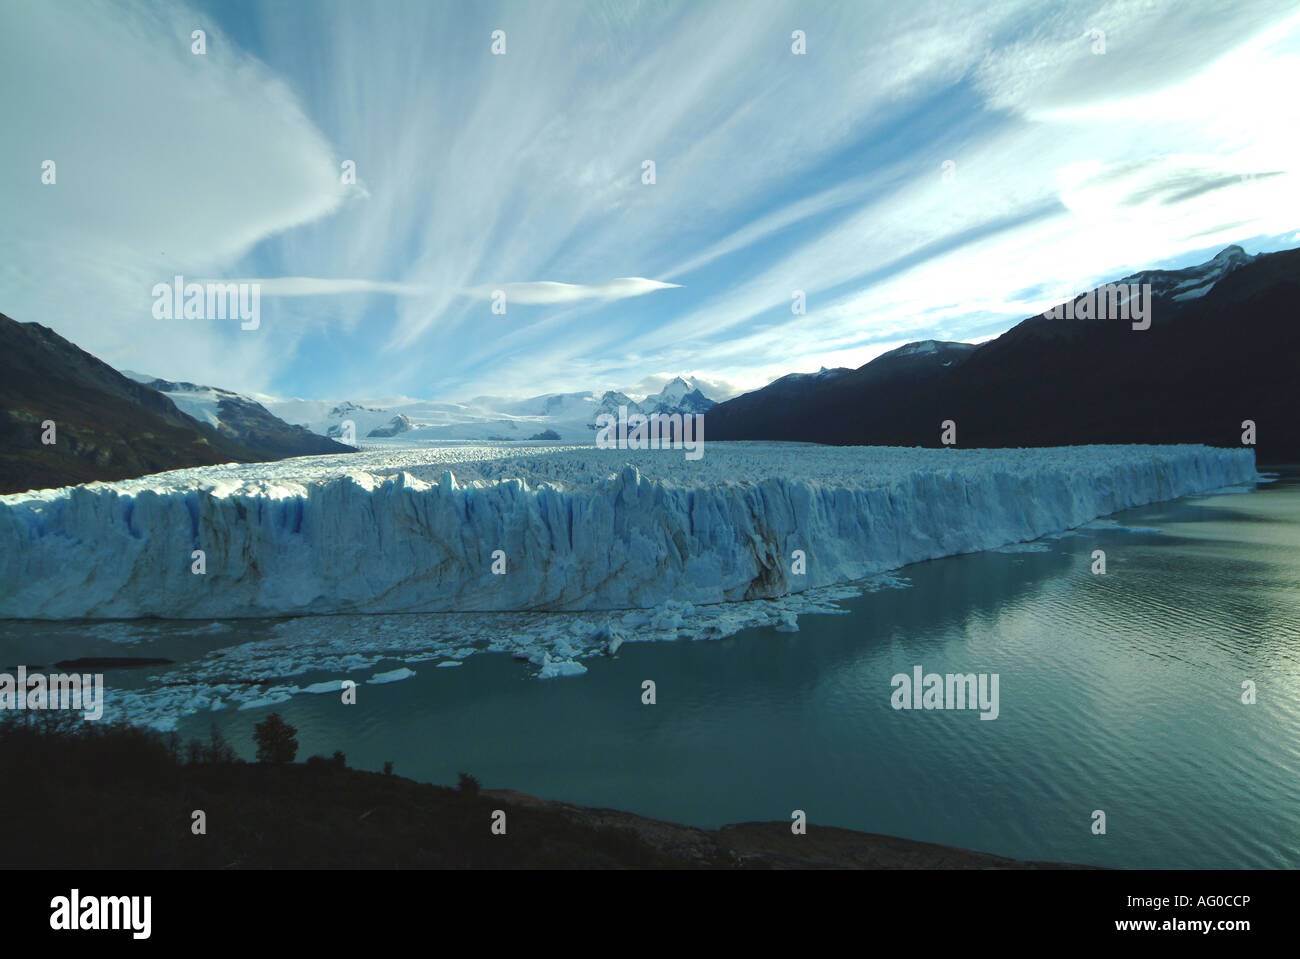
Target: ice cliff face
(580, 528)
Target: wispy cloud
(164, 161)
(320, 286)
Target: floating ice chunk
(272, 698)
(329, 686)
(563, 667)
(392, 676)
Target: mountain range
(1222, 349)
(566, 417)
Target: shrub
(469, 785)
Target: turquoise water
(1118, 692)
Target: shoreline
(772, 845)
(123, 797)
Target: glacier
(418, 529)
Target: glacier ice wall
(415, 530)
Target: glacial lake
(1119, 692)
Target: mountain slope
(1205, 365)
(820, 407)
(107, 426)
(242, 419)
(1223, 347)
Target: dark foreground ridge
(82, 794)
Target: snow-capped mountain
(1170, 291)
(613, 399)
(400, 423)
(362, 420)
(327, 418)
(558, 417)
(677, 396)
(239, 417)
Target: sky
(936, 169)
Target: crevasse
(403, 530)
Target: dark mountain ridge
(1208, 362)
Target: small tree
(277, 741)
(469, 785)
(220, 750)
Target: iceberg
(484, 528)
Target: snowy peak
(1232, 254)
(347, 408)
(929, 347)
(672, 392)
(914, 349)
(611, 400)
(1193, 282)
(938, 349)
(400, 423)
(677, 396)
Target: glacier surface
(416, 529)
